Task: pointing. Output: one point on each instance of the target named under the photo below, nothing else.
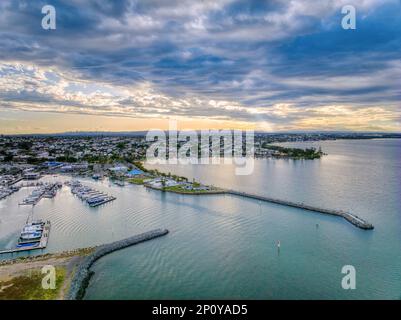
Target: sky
(133, 65)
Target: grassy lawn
(29, 286)
(181, 189)
(137, 180)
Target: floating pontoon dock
(42, 244)
(106, 200)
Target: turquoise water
(225, 246)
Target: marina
(7, 191)
(34, 236)
(48, 190)
(91, 196)
(203, 227)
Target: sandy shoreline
(21, 278)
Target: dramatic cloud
(279, 65)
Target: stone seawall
(83, 273)
(355, 220)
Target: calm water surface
(225, 246)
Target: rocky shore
(83, 273)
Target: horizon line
(166, 130)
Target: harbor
(203, 227)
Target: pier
(42, 244)
(91, 196)
(355, 220)
(83, 274)
(106, 200)
(16, 181)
